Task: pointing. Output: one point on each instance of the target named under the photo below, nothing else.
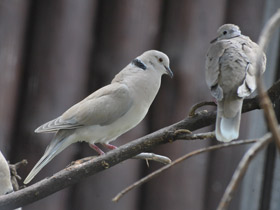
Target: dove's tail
(58, 144)
(227, 128)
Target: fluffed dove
(6, 186)
(5, 176)
(110, 111)
(231, 65)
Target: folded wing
(100, 108)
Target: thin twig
(265, 102)
(175, 162)
(182, 134)
(241, 169)
(268, 30)
(154, 157)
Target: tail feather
(227, 129)
(56, 146)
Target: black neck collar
(138, 63)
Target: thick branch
(76, 173)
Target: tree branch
(76, 173)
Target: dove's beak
(214, 40)
(168, 71)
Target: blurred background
(53, 53)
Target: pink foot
(110, 146)
(97, 149)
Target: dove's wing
(251, 50)
(212, 66)
(100, 108)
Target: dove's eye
(160, 60)
(225, 32)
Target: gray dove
(110, 111)
(231, 65)
(6, 186)
(5, 176)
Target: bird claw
(147, 163)
(80, 161)
(14, 175)
(185, 131)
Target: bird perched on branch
(6, 184)
(5, 176)
(110, 111)
(231, 68)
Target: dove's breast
(233, 66)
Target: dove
(6, 186)
(110, 111)
(5, 176)
(231, 68)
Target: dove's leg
(97, 149)
(110, 146)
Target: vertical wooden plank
(126, 28)
(274, 181)
(13, 16)
(222, 164)
(275, 190)
(185, 38)
(252, 187)
(56, 78)
(246, 14)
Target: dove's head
(155, 59)
(227, 31)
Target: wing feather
(102, 107)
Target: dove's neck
(144, 87)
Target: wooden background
(53, 53)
